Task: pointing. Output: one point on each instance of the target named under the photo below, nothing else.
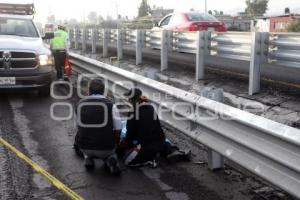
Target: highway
(25, 123)
(230, 98)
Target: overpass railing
(266, 148)
(285, 49)
(271, 56)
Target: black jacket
(95, 138)
(144, 126)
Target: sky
(68, 9)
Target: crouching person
(99, 125)
(144, 136)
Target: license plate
(7, 80)
(211, 29)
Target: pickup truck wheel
(44, 91)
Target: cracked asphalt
(26, 123)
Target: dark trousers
(147, 153)
(59, 57)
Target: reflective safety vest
(60, 40)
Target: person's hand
(123, 144)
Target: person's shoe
(154, 163)
(77, 151)
(188, 155)
(113, 166)
(89, 163)
(174, 157)
(177, 156)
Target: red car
(191, 21)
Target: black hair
(96, 86)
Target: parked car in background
(190, 21)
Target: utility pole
(205, 6)
(117, 11)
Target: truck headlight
(46, 60)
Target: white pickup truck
(25, 61)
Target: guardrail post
(200, 55)
(164, 50)
(259, 47)
(207, 47)
(105, 42)
(84, 39)
(77, 30)
(265, 39)
(170, 41)
(138, 47)
(94, 40)
(214, 159)
(120, 39)
(71, 34)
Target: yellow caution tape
(58, 184)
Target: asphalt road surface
(25, 122)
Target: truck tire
(44, 91)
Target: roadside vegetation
(294, 27)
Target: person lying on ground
(145, 138)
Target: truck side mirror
(156, 24)
(48, 35)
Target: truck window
(18, 27)
(166, 21)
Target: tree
(216, 12)
(256, 7)
(92, 17)
(287, 11)
(73, 21)
(144, 9)
(294, 26)
(221, 13)
(100, 19)
(145, 22)
(210, 12)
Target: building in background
(280, 23)
(274, 23)
(236, 23)
(260, 24)
(159, 12)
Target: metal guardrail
(130, 37)
(255, 54)
(266, 148)
(285, 49)
(231, 45)
(185, 42)
(113, 35)
(153, 39)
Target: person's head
(96, 86)
(61, 27)
(134, 95)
